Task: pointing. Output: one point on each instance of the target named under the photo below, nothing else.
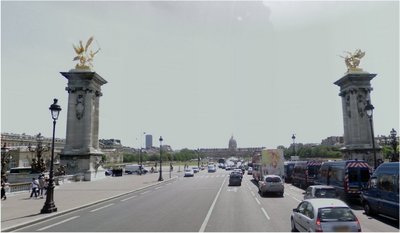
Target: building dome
(232, 144)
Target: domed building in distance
(231, 151)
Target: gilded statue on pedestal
(84, 55)
(352, 60)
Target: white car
(322, 215)
(320, 191)
(189, 172)
(249, 171)
(212, 168)
(271, 184)
(195, 169)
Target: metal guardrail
(26, 186)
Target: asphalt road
(203, 203)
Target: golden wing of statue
(78, 50)
(88, 43)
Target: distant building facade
(149, 141)
(333, 141)
(231, 151)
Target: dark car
(235, 179)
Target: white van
(134, 168)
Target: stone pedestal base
(365, 154)
(83, 167)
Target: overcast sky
(197, 73)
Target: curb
(56, 214)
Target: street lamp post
(294, 145)
(38, 164)
(369, 108)
(49, 206)
(140, 154)
(160, 177)
(198, 158)
(395, 156)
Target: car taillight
(358, 225)
(318, 227)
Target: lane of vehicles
(324, 215)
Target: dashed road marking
(265, 213)
(294, 198)
(145, 192)
(57, 223)
(102, 207)
(257, 201)
(128, 198)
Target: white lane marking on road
(203, 226)
(252, 193)
(232, 189)
(257, 201)
(102, 207)
(145, 192)
(57, 223)
(294, 198)
(128, 198)
(158, 188)
(265, 213)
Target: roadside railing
(26, 186)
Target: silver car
(324, 214)
(271, 184)
(320, 191)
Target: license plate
(341, 228)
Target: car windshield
(325, 193)
(273, 179)
(336, 214)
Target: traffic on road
(210, 202)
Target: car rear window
(273, 179)
(336, 214)
(329, 193)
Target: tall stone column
(355, 88)
(82, 154)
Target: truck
(268, 162)
(305, 173)
(349, 177)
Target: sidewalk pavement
(20, 210)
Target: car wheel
(367, 209)
(281, 194)
(293, 225)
